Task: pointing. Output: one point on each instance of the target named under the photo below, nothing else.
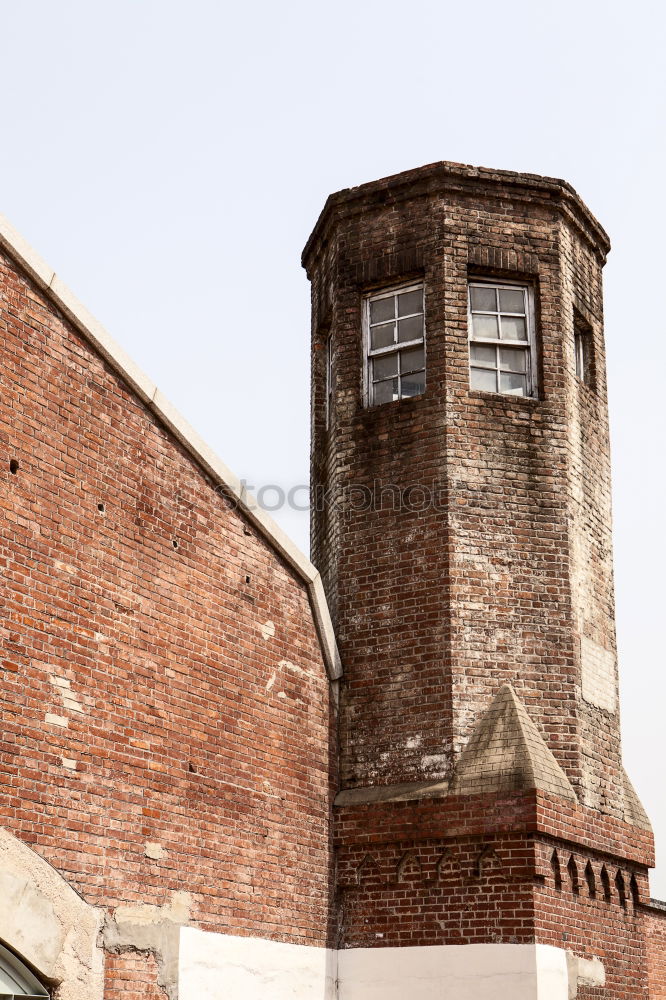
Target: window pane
(514, 360)
(483, 355)
(513, 328)
(515, 385)
(410, 329)
(414, 384)
(410, 302)
(411, 359)
(485, 326)
(483, 379)
(483, 298)
(16, 980)
(381, 336)
(385, 367)
(512, 300)
(583, 344)
(382, 309)
(385, 392)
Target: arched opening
(45, 922)
(16, 979)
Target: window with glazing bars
(395, 344)
(501, 338)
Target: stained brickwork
(166, 723)
(495, 577)
(170, 741)
(502, 576)
(594, 909)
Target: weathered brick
(144, 748)
(503, 579)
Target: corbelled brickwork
(166, 724)
(464, 539)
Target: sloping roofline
(63, 299)
(460, 177)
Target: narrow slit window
(583, 349)
(395, 345)
(329, 380)
(501, 338)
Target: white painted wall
(454, 972)
(225, 967)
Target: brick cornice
(462, 179)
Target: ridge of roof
(66, 302)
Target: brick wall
(507, 572)
(590, 903)
(166, 722)
(132, 976)
(505, 575)
(475, 870)
(655, 920)
(508, 569)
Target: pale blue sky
(170, 159)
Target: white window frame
(22, 983)
(369, 355)
(529, 346)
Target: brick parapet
(466, 871)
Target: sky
(169, 160)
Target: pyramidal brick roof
(507, 753)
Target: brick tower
(462, 527)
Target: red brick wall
(139, 626)
(497, 580)
(500, 578)
(477, 870)
(655, 920)
(132, 976)
(594, 910)
(502, 575)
